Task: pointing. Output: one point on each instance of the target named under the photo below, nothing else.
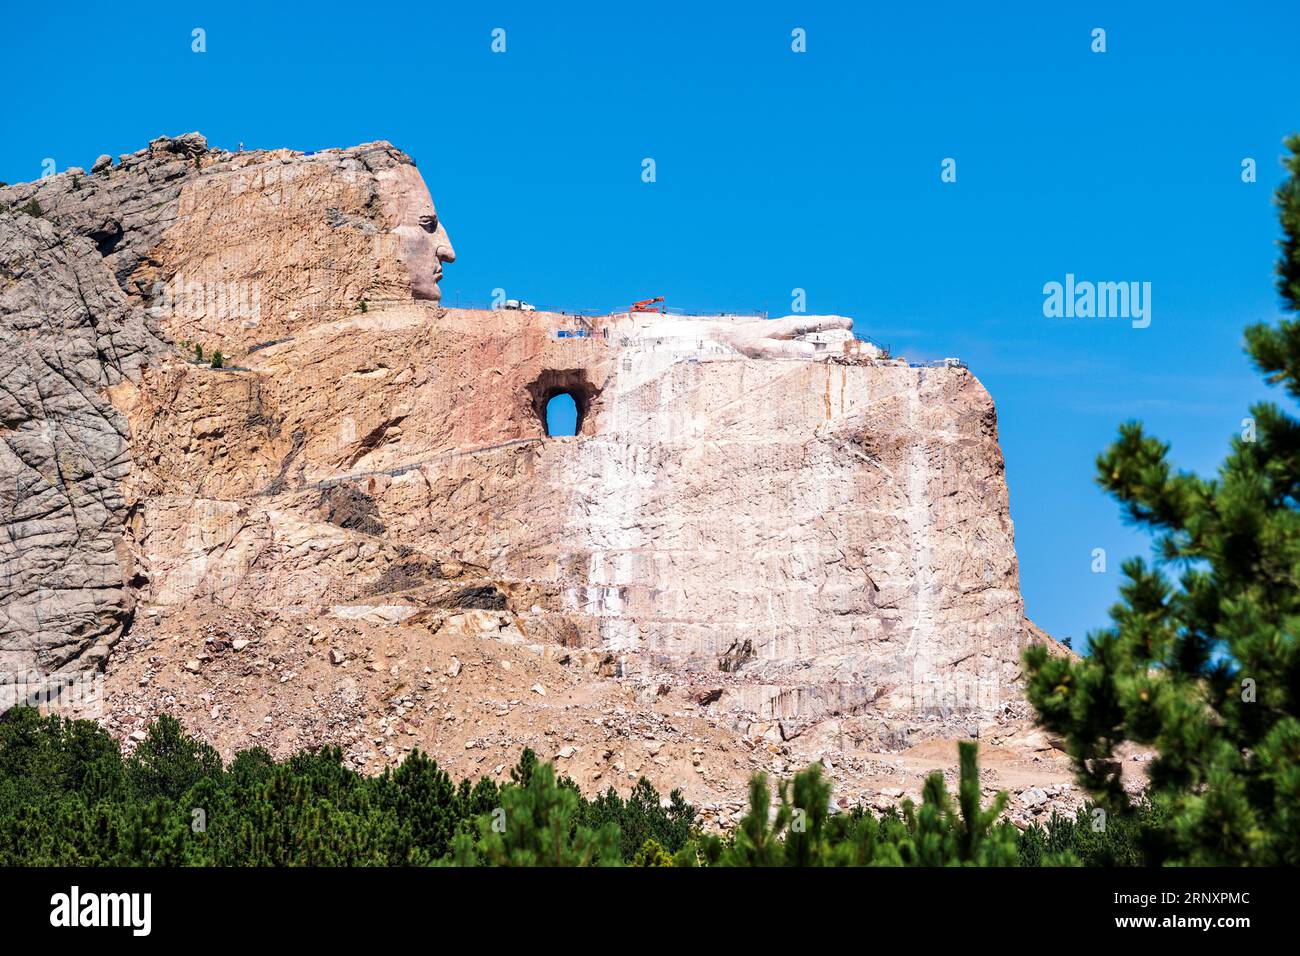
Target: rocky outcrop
(765, 522)
(219, 249)
(847, 522)
(66, 334)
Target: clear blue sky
(779, 170)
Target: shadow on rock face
(349, 507)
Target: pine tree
(641, 818)
(424, 800)
(522, 772)
(758, 839)
(936, 834)
(1205, 670)
(169, 761)
(537, 826)
(801, 831)
(651, 854)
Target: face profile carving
(422, 243)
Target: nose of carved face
(424, 249)
(442, 249)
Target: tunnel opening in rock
(553, 392)
(562, 415)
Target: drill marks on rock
(779, 542)
(918, 523)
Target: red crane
(648, 305)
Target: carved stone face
(423, 245)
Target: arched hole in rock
(562, 415)
(550, 388)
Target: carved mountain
(766, 534)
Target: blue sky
(778, 170)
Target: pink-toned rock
(763, 515)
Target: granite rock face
(794, 527)
(220, 249)
(66, 334)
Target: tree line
(69, 797)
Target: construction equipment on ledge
(648, 305)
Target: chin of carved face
(423, 245)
